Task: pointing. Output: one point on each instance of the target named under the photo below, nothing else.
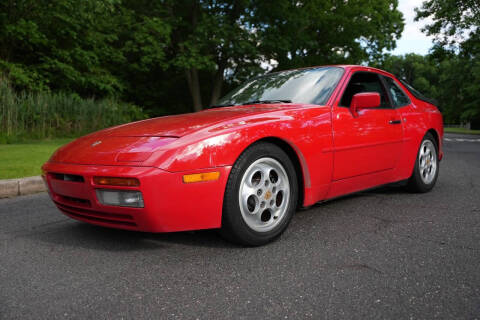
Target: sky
(412, 40)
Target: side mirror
(365, 100)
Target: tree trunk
(194, 86)
(192, 73)
(217, 85)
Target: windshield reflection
(309, 86)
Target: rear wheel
(426, 169)
(260, 197)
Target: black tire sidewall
(233, 225)
(415, 183)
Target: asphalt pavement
(381, 254)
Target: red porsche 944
(278, 142)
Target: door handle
(395, 121)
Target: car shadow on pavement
(397, 190)
(79, 234)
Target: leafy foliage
(175, 56)
(152, 52)
(456, 26)
(453, 20)
(297, 33)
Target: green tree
(213, 37)
(315, 32)
(233, 38)
(89, 47)
(453, 20)
(152, 52)
(456, 27)
(59, 44)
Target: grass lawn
(461, 130)
(25, 159)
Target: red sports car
(280, 141)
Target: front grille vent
(97, 216)
(75, 201)
(67, 177)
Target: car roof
(346, 67)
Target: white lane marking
(462, 140)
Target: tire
(260, 197)
(425, 172)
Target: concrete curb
(18, 187)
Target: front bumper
(169, 204)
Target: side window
(399, 97)
(364, 82)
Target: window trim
(382, 83)
(384, 79)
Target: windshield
(309, 86)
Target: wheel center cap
(268, 195)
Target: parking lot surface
(378, 254)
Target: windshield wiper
(220, 106)
(267, 101)
(249, 102)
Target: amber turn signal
(112, 181)
(199, 177)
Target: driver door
(370, 142)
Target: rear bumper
(169, 204)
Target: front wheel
(425, 172)
(260, 197)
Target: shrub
(41, 115)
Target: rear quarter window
(418, 95)
(399, 97)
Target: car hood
(184, 124)
(133, 143)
